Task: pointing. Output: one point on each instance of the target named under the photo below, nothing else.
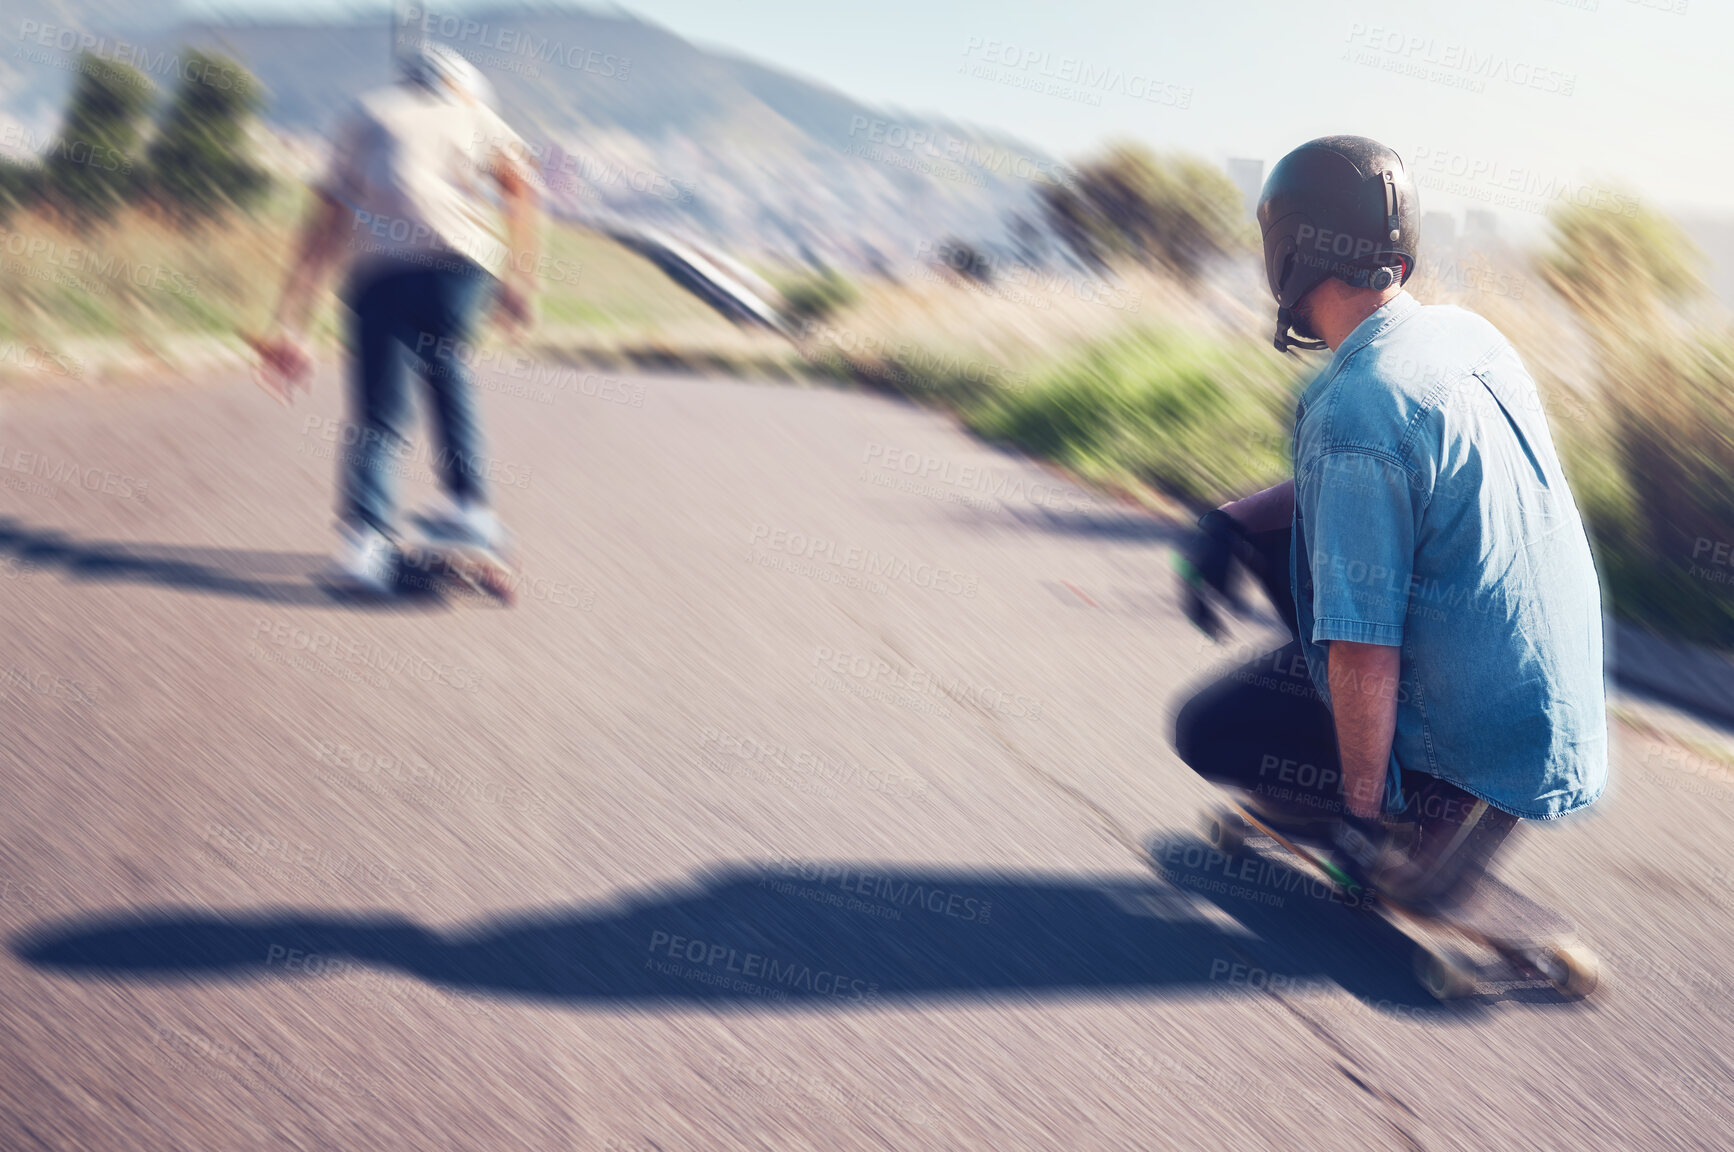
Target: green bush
(1173, 211)
(199, 165)
(20, 185)
(88, 172)
(1656, 492)
(1199, 420)
(1654, 481)
(817, 296)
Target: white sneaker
(465, 522)
(365, 561)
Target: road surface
(802, 802)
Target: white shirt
(417, 170)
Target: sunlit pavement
(800, 802)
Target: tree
(199, 165)
(20, 184)
(88, 171)
(1174, 211)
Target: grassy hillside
(106, 297)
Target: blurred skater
(408, 190)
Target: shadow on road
(273, 577)
(854, 936)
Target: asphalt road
(721, 838)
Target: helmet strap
(1286, 340)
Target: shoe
(1452, 839)
(365, 563)
(464, 521)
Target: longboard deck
(425, 563)
(1528, 938)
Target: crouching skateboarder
(1445, 679)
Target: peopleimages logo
(714, 964)
(907, 894)
(1455, 65)
(511, 42)
(938, 144)
(320, 644)
(1712, 560)
(66, 40)
(36, 358)
(1069, 77)
(866, 561)
(1005, 486)
(16, 138)
(357, 437)
(59, 470)
(1510, 185)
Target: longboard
(425, 562)
(1530, 943)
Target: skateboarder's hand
(1207, 571)
(285, 366)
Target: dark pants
(412, 313)
(1264, 730)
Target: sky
(1494, 103)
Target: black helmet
(1341, 206)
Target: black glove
(1207, 570)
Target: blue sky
(1495, 102)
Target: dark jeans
(1263, 729)
(408, 313)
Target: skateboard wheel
(1445, 975)
(1225, 832)
(1571, 968)
(499, 586)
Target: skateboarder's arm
(1265, 511)
(519, 198)
(518, 205)
(1364, 681)
(315, 251)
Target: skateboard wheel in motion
(1445, 974)
(498, 583)
(1571, 968)
(1225, 832)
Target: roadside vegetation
(1129, 343)
(147, 235)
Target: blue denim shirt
(1431, 514)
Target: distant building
(1480, 224)
(1248, 176)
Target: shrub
(1199, 420)
(818, 296)
(1654, 481)
(1174, 211)
(198, 166)
(88, 172)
